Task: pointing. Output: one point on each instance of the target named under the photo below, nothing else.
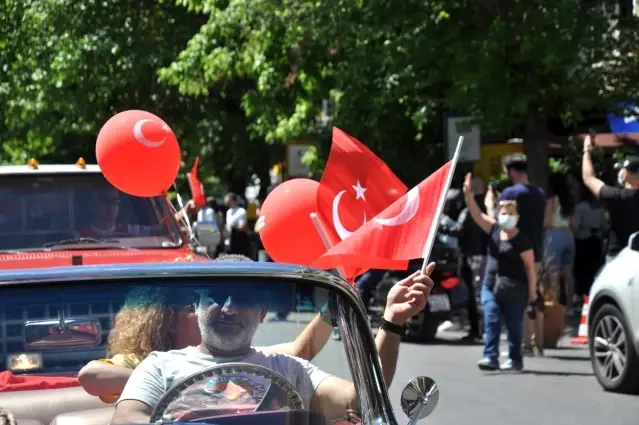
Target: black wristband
(392, 327)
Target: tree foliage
(70, 65)
(236, 79)
(392, 68)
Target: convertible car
(233, 391)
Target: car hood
(619, 271)
(29, 260)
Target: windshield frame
(160, 205)
(358, 340)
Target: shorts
(560, 248)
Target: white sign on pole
(295, 166)
(461, 126)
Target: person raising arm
(484, 221)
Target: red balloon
(287, 231)
(138, 153)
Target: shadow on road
(569, 358)
(554, 373)
(450, 342)
(537, 373)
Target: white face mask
(507, 221)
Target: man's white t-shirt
(235, 217)
(161, 370)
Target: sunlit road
(556, 389)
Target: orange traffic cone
(582, 334)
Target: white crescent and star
(341, 231)
(405, 215)
(141, 139)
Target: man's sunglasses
(206, 298)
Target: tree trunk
(536, 148)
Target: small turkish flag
(399, 233)
(197, 189)
(355, 186)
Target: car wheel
(425, 331)
(612, 351)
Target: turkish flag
(197, 189)
(356, 185)
(399, 233)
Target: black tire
(626, 381)
(426, 332)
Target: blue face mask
(507, 221)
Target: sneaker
(487, 364)
(336, 335)
(539, 351)
(528, 352)
(510, 365)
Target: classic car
(234, 393)
(47, 215)
(69, 214)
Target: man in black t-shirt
(530, 199)
(622, 203)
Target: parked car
(258, 395)
(448, 296)
(613, 322)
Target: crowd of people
(543, 248)
(227, 228)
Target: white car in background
(613, 322)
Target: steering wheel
(229, 388)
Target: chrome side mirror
(419, 398)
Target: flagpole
(325, 240)
(432, 234)
(181, 205)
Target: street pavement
(558, 388)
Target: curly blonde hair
(143, 323)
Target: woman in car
(510, 281)
(157, 319)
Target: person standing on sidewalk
(236, 227)
(560, 240)
(621, 203)
(510, 282)
(531, 201)
(590, 226)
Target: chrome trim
(357, 334)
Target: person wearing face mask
(510, 281)
(622, 203)
(531, 202)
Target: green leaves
(230, 75)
